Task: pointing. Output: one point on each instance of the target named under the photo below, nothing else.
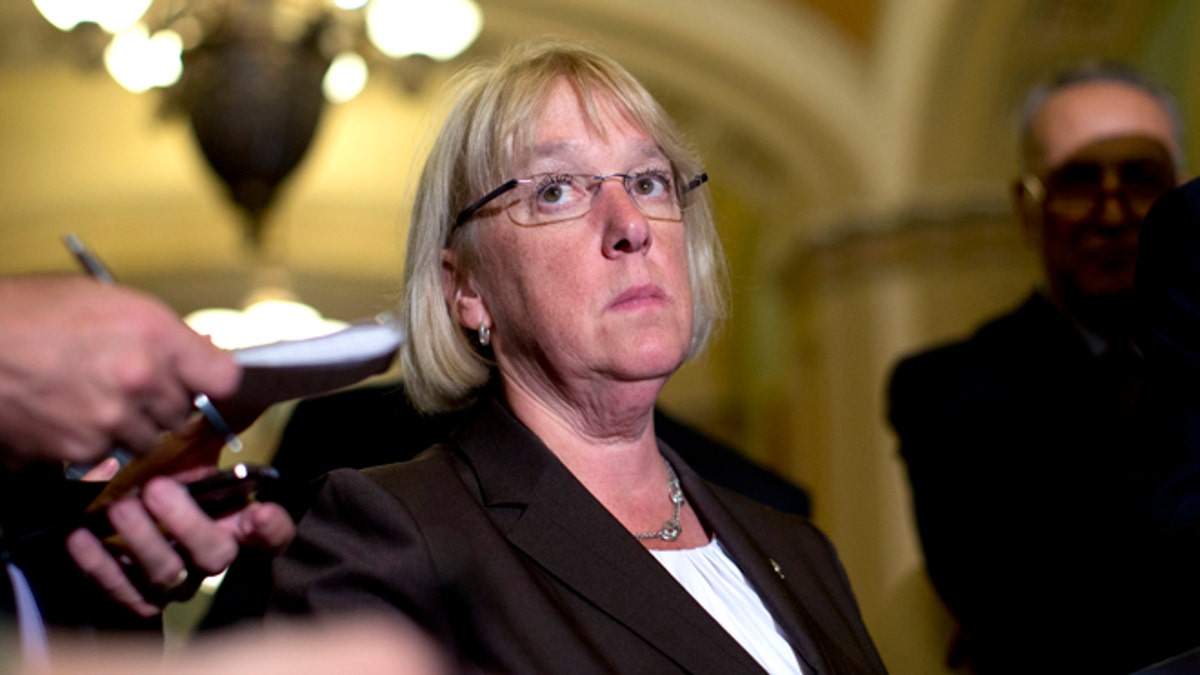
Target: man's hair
(1092, 72)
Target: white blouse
(718, 585)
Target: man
(1020, 441)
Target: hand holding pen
(85, 367)
(97, 270)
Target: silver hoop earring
(485, 335)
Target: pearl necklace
(670, 529)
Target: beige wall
(856, 305)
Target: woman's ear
(462, 294)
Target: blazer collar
(786, 602)
(548, 514)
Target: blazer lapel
(568, 533)
(797, 624)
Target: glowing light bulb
(346, 77)
(113, 16)
(440, 30)
(139, 61)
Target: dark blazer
(1168, 292)
(377, 424)
(494, 546)
(1024, 462)
(374, 425)
(1168, 295)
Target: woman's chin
(649, 364)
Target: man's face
(1106, 154)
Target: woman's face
(601, 298)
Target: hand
(355, 644)
(170, 545)
(85, 367)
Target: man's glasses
(1076, 189)
(550, 198)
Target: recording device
(217, 495)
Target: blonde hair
(492, 120)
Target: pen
(91, 264)
(96, 269)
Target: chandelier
(253, 77)
(144, 40)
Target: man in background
(1020, 441)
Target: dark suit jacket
(374, 425)
(1168, 292)
(494, 546)
(1024, 466)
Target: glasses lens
(550, 198)
(1144, 182)
(654, 194)
(1077, 189)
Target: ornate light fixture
(253, 77)
(146, 38)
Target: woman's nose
(626, 229)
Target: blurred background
(860, 154)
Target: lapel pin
(778, 570)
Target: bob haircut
(490, 127)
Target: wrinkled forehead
(1122, 151)
(1080, 116)
(570, 121)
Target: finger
(194, 473)
(98, 564)
(169, 407)
(103, 416)
(263, 525)
(205, 368)
(103, 471)
(50, 440)
(159, 562)
(137, 432)
(145, 402)
(148, 391)
(211, 547)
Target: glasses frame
(466, 214)
(1036, 188)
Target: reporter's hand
(170, 545)
(364, 645)
(85, 366)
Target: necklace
(670, 529)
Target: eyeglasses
(549, 198)
(1075, 190)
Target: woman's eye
(650, 185)
(554, 190)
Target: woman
(557, 305)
